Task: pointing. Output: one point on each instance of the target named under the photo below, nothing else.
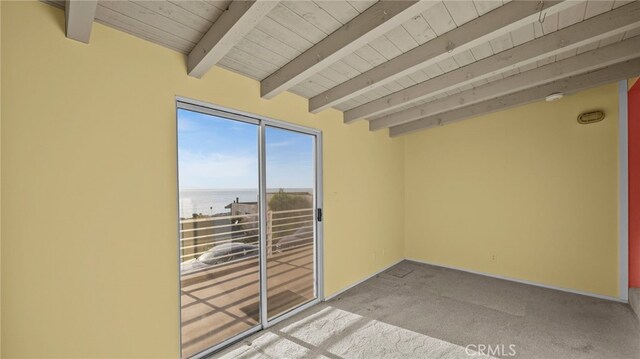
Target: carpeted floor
(415, 310)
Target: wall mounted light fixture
(586, 118)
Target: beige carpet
(415, 310)
(335, 333)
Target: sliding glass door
(290, 178)
(248, 227)
(219, 229)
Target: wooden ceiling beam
(79, 16)
(599, 27)
(588, 61)
(500, 20)
(567, 86)
(225, 33)
(364, 28)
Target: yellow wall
(88, 165)
(529, 185)
(89, 187)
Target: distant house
(237, 208)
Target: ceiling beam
(364, 28)
(574, 36)
(567, 86)
(500, 20)
(79, 15)
(224, 34)
(588, 61)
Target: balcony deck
(223, 301)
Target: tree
(283, 201)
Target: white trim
(361, 281)
(262, 185)
(178, 244)
(230, 341)
(623, 188)
(523, 281)
(212, 108)
(319, 224)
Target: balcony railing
(226, 239)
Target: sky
(218, 153)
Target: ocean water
(213, 201)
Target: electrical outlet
(493, 257)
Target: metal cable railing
(223, 239)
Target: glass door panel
(290, 223)
(219, 229)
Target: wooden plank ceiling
(454, 50)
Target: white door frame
(263, 122)
(623, 188)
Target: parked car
(303, 235)
(223, 253)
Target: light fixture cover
(554, 96)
